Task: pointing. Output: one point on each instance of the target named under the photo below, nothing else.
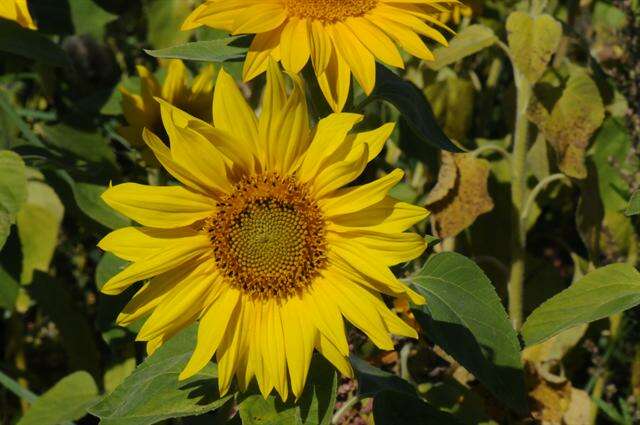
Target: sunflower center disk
(268, 237)
(329, 10)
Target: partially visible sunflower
(18, 11)
(455, 13)
(143, 111)
(339, 36)
(262, 244)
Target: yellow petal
(331, 353)
(294, 45)
(159, 206)
(387, 216)
(138, 243)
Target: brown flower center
(268, 236)
(329, 10)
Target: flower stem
(518, 198)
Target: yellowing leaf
(467, 42)
(38, 225)
(452, 100)
(461, 194)
(532, 42)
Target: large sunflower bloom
(18, 11)
(262, 244)
(143, 111)
(339, 36)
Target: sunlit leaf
(220, 50)
(13, 191)
(464, 316)
(532, 42)
(67, 400)
(599, 294)
(165, 19)
(38, 223)
(467, 42)
(634, 204)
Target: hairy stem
(518, 198)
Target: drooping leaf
(165, 19)
(413, 106)
(153, 392)
(464, 316)
(30, 44)
(634, 204)
(315, 406)
(76, 334)
(67, 400)
(218, 51)
(601, 293)
(467, 42)
(392, 407)
(38, 225)
(532, 42)
(461, 194)
(372, 380)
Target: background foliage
(522, 139)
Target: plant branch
(344, 409)
(542, 185)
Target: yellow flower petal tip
(340, 38)
(17, 11)
(265, 242)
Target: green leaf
(372, 380)
(465, 317)
(153, 392)
(85, 145)
(76, 335)
(9, 289)
(30, 44)
(109, 266)
(165, 19)
(467, 42)
(38, 223)
(13, 191)
(413, 106)
(632, 209)
(315, 406)
(601, 293)
(207, 51)
(532, 42)
(89, 18)
(88, 197)
(67, 400)
(391, 408)
(13, 182)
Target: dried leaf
(455, 207)
(532, 42)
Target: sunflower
(143, 111)
(339, 36)
(18, 11)
(262, 244)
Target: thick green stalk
(518, 199)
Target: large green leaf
(220, 50)
(464, 316)
(38, 222)
(413, 106)
(391, 408)
(13, 191)
(85, 145)
(67, 400)
(601, 293)
(165, 19)
(30, 44)
(153, 392)
(315, 406)
(467, 42)
(89, 18)
(372, 380)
